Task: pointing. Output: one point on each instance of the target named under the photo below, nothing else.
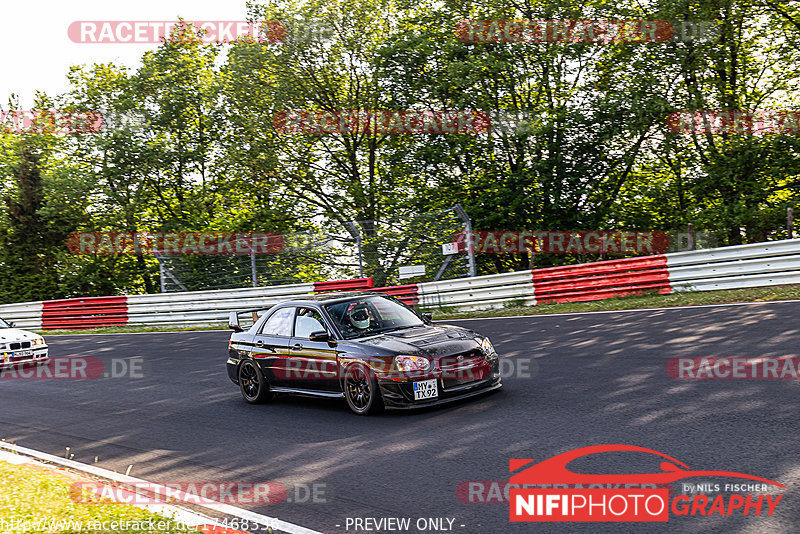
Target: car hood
(438, 340)
(15, 334)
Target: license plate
(23, 354)
(426, 389)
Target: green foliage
(190, 144)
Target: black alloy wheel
(254, 388)
(361, 390)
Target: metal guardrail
(26, 314)
(601, 280)
(741, 266)
(754, 265)
(495, 290)
(207, 307)
(405, 293)
(86, 312)
(735, 268)
(786, 247)
(343, 285)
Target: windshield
(4, 324)
(371, 315)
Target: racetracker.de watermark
(195, 492)
(157, 31)
(73, 368)
(562, 242)
(50, 122)
(599, 31)
(734, 122)
(734, 368)
(381, 122)
(175, 243)
(447, 368)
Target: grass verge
(35, 498)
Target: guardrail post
(690, 236)
(473, 271)
(790, 222)
(253, 271)
(161, 276)
(164, 273)
(357, 234)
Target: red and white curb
(200, 522)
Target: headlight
(3, 346)
(486, 346)
(38, 341)
(412, 363)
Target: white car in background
(20, 346)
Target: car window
(279, 323)
(307, 321)
(368, 315)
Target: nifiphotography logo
(549, 492)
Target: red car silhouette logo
(554, 470)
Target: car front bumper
(39, 354)
(401, 394)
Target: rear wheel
(254, 388)
(361, 390)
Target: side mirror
(12, 324)
(319, 335)
(233, 322)
(428, 317)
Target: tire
(254, 388)
(361, 390)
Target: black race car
(367, 347)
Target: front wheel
(361, 390)
(254, 388)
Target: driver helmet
(359, 317)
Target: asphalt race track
(592, 379)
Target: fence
(754, 265)
(390, 249)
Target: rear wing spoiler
(234, 322)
